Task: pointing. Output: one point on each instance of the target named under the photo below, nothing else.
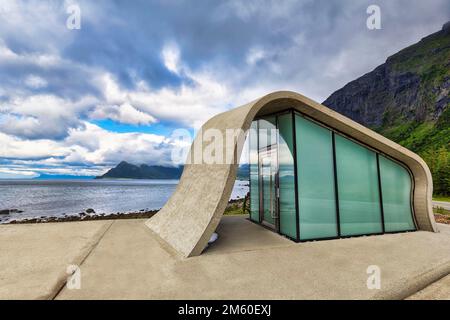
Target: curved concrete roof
(192, 214)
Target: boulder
(8, 211)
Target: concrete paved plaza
(122, 259)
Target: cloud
(171, 58)
(254, 55)
(15, 148)
(189, 104)
(88, 148)
(42, 116)
(35, 82)
(124, 113)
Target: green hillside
(407, 100)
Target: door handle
(272, 197)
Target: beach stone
(8, 211)
(90, 210)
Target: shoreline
(87, 217)
(233, 207)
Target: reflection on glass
(268, 171)
(267, 132)
(254, 175)
(357, 176)
(273, 161)
(316, 194)
(268, 166)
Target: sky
(78, 101)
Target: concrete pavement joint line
(82, 260)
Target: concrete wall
(192, 214)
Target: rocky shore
(85, 216)
(234, 207)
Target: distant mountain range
(407, 100)
(243, 172)
(125, 170)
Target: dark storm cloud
(126, 39)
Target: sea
(59, 198)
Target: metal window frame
(378, 152)
(297, 203)
(273, 227)
(380, 192)
(278, 220)
(249, 174)
(336, 186)
(411, 197)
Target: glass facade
(396, 189)
(268, 168)
(359, 199)
(316, 193)
(288, 213)
(308, 182)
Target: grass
(441, 198)
(440, 210)
(234, 207)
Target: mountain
(243, 172)
(62, 177)
(407, 99)
(125, 170)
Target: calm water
(38, 198)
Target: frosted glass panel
(288, 220)
(317, 201)
(359, 202)
(254, 182)
(396, 190)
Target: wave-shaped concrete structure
(192, 214)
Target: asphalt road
(442, 204)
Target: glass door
(269, 196)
